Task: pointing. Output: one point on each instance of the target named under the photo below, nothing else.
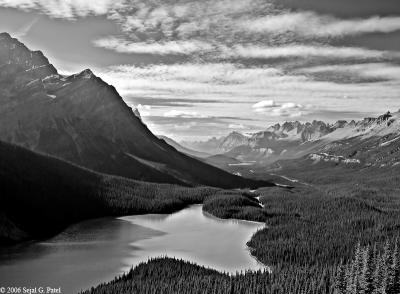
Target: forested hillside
(314, 242)
(173, 276)
(371, 271)
(40, 195)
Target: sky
(199, 69)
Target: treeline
(41, 195)
(166, 275)
(310, 243)
(371, 271)
(234, 205)
(321, 225)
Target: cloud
(185, 19)
(236, 126)
(305, 51)
(183, 114)
(144, 110)
(218, 52)
(310, 24)
(161, 48)
(172, 102)
(236, 87)
(66, 9)
(264, 104)
(382, 70)
(192, 82)
(22, 31)
(249, 59)
(288, 109)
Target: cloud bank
(68, 9)
(310, 24)
(288, 109)
(186, 62)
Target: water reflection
(200, 237)
(96, 251)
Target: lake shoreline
(125, 256)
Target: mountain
(82, 119)
(182, 149)
(288, 140)
(219, 160)
(211, 146)
(370, 146)
(222, 161)
(40, 195)
(371, 141)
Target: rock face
(82, 119)
(372, 140)
(275, 142)
(369, 144)
(233, 140)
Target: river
(96, 251)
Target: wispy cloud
(161, 48)
(252, 91)
(172, 102)
(24, 30)
(66, 9)
(183, 114)
(250, 59)
(367, 70)
(288, 109)
(305, 51)
(313, 25)
(144, 110)
(237, 126)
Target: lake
(96, 251)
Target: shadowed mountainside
(40, 195)
(82, 119)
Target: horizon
(250, 133)
(197, 70)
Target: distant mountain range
(352, 141)
(371, 142)
(82, 119)
(183, 149)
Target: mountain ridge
(295, 139)
(40, 195)
(82, 119)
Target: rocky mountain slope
(82, 119)
(371, 141)
(211, 146)
(276, 142)
(370, 146)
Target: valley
(371, 142)
(90, 197)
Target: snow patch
(241, 164)
(332, 158)
(389, 142)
